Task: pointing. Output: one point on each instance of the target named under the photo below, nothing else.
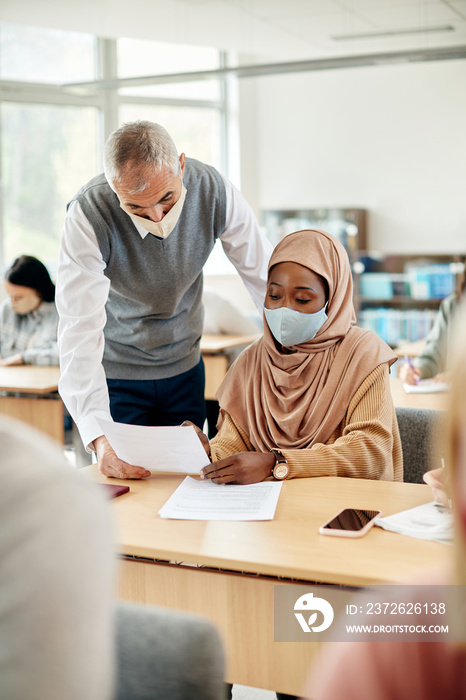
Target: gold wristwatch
(281, 468)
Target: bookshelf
(346, 224)
(398, 295)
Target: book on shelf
(383, 285)
(434, 281)
(396, 326)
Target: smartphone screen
(351, 519)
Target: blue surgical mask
(291, 327)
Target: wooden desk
(43, 408)
(213, 349)
(437, 402)
(38, 403)
(244, 559)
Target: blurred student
(413, 670)
(432, 361)
(56, 575)
(28, 316)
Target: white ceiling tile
(409, 15)
(278, 29)
(357, 5)
(271, 9)
(460, 7)
(324, 26)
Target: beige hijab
(298, 399)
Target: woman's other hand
(202, 436)
(240, 468)
(409, 375)
(13, 360)
(442, 377)
(436, 480)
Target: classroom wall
(390, 138)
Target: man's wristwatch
(281, 468)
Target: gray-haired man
(129, 285)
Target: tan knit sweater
(365, 445)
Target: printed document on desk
(426, 386)
(204, 500)
(174, 448)
(431, 521)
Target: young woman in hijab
(312, 396)
(28, 317)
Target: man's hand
(240, 468)
(110, 465)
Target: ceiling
(261, 30)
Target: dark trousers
(159, 401)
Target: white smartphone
(350, 522)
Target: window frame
(107, 101)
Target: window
(51, 136)
(45, 55)
(195, 131)
(139, 58)
(191, 111)
(48, 152)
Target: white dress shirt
(82, 291)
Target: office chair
(167, 655)
(419, 431)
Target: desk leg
(43, 414)
(241, 607)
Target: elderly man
(129, 285)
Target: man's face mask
(26, 303)
(163, 228)
(290, 327)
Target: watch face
(281, 471)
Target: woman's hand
(13, 360)
(442, 377)
(240, 468)
(436, 480)
(409, 375)
(202, 436)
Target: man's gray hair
(136, 151)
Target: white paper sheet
(204, 500)
(426, 386)
(174, 448)
(430, 521)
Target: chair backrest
(167, 655)
(420, 430)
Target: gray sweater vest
(154, 309)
